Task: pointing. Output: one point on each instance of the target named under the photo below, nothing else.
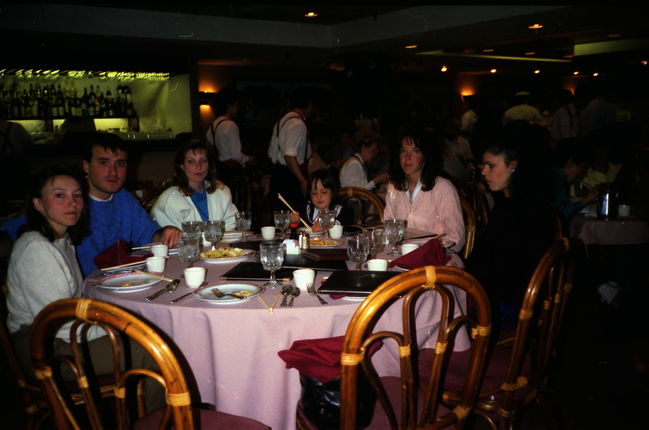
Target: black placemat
(252, 271)
(354, 282)
(299, 261)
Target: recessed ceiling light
(535, 26)
(537, 71)
(644, 62)
(311, 14)
(488, 50)
(614, 35)
(530, 53)
(576, 72)
(444, 69)
(493, 71)
(413, 46)
(568, 56)
(596, 74)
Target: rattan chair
(469, 227)
(520, 366)
(367, 206)
(118, 323)
(419, 400)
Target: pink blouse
(436, 211)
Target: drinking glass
(191, 226)
(271, 255)
(377, 243)
(394, 230)
(327, 219)
(188, 248)
(282, 221)
(213, 231)
(244, 220)
(358, 246)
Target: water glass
(244, 220)
(358, 246)
(394, 230)
(191, 226)
(282, 221)
(188, 249)
(271, 255)
(213, 231)
(327, 219)
(376, 240)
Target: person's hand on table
(295, 217)
(168, 236)
(590, 196)
(316, 227)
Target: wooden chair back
(533, 347)
(410, 287)
(83, 314)
(151, 194)
(470, 227)
(368, 207)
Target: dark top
(345, 215)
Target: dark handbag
(321, 402)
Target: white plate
(235, 236)
(354, 298)
(206, 294)
(246, 254)
(127, 282)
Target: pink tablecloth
(621, 231)
(232, 348)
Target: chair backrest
(368, 207)
(534, 342)
(469, 227)
(241, 190)
(83, 314)
(411, 287)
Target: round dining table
(619, 231)
(232, 349)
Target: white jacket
(174, 208)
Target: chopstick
(274, 302)
(153, 275)
(263, 302)
(143, 246)
(134, 263)
(279, 196)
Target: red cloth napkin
(431, 253)
(116, 254)
(318, 358)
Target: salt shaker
(304, 240)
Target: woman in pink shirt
(417, 192)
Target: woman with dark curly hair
(197, 194)
(419, 194)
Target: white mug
(268, 232)
(303, 278)
(377, 265)
(408, 247)
(194, 276)
(160, 250)
(336, 232)
(155, 264)
(624, 210)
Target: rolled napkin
(118, 253)
(317, 358)
(431, 253)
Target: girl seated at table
(419, 194)
(323, 191)
(43, 268)
(197, 194)
(517, 170)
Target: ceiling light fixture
(644, 62)
(530, 53)
(492, 71)
(596, 74)
(535, 26)
(614, 35)
(413, 46)
(311, 14)
(488, 50)
(491, 57)
(444, 69)
(575, 73)
(537, 71)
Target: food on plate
(243, 293)
(223, 253)
(321, 241)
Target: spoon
(171, 287)
(295, 291)
(188, 294)
(286, 291)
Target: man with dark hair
(224, 134)
(114, 213)
(354, 171)
(290, 149)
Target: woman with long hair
(197, 194)
(418, 193)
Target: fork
(311, 290)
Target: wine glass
(327, 219)
(191, 226)
(188, 248)
(394, 230)
(282, 221)
(376, 238)
(213, 231)
(271, 255)
(244, 222)
(358, 246)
